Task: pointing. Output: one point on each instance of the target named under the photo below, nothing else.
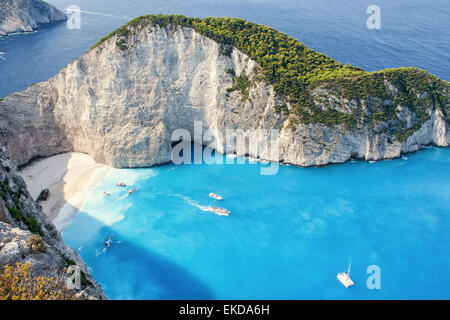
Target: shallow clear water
(287, 236)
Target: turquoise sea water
(287, 236)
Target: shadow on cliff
(128, 271)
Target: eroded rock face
(28, 127)
(121, 104)
(20, 217)
(26, 15)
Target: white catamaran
(344, 278)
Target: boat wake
(122, 197)
(193, 203)
(126, 195)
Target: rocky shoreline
(21, 218)
(121, 102)
(26, 15)
(121, 107)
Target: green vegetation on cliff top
(295, 70)
(287, 63)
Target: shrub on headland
(17, 283)
(36, 243)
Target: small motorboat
(106, 193)
(108, 242)
(43, 195)
(132, 191)
(215, 196)
(121, 184)
(344, 278)
(221, 211)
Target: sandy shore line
(70, 177)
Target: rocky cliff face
(20, 218)
(121, 101)
(26, 15)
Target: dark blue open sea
(288, 235)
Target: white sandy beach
(70, 177)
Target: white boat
(344, 278)
(221, 211)
(405, 158)
(108, 242)
(215, 196)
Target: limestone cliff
(121, 101)
(26, 15)
(20, 218)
